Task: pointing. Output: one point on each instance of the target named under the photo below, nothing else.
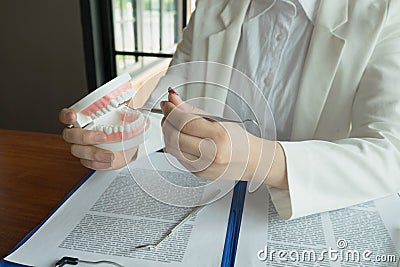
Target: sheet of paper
(334, 238)
(109, 215)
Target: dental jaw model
(104, 110)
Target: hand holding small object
(214, 150)
(82, 145)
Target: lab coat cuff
(298, 161)
(281, 200)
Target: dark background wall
(42, 66)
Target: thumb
(167, 107)
(175, 99)
(67, 116)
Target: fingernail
(100, 137)
(68, 116)
(108, 157)
(171, 91)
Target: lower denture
(114, 137)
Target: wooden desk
(36, 172)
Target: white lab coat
(345, 141)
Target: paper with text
(267, 240)
(109, 215)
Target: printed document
(109, 215)
(362, 235)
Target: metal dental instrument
(74, 261)
(204, 116)
(177, 226)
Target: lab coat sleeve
(324, 175)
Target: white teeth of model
(134, 124)
(120, 99)
(114, 103)
(116, 128)
(140, 120)
(93, 116)
(125, 96)
(121, 128)
(108, 130)
(99, 113)
(131, 92)
(110, 108)
(100, 128)
(128, 127)
(104, 110)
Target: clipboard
(234, 222)
(232, 231)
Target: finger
(92, 153)
(186, 107)
(194, 153)
(178, 102)
(67, 116)
(189, 123)
(180, 155)
(181, 141)
(119, 161)
(189, 161)
(95, 165)
(184, 158)
(83, 137)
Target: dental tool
(179, 225)
(204, 116)
(75, 261)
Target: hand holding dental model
(105, 131)
(83, 145)
(214, 150)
